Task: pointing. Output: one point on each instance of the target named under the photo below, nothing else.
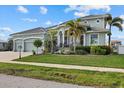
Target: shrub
(100, 50)
(93, 49)
(107, 48)
(83, 49)
(81, 52)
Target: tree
(117, 22)
(37, 44)
(10, 45)
(52, 35)
(75, 29)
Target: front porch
(87, 39)
(65, 40)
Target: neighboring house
(3, 45)
(95, 34)
(115, 44)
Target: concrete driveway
(9, 55)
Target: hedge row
(98, 50)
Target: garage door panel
(29, 46)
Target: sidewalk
(101, 69)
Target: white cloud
(123, 25)
(30, 20)
(80, 14)
(71, 8)
(22, 9)
(6, 29)
(43, 10)
(60, 22)
(81, 10)
(122, 16)
(105, 8)
(48, 22)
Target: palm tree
(117, 22)
(52, 35)
(75, 29)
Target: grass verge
(84, 78)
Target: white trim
(32, 38)
(27, 34)
(98, 39)
(17, 39)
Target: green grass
(114, 61)
(84, 78)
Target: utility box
(121, 49)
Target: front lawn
(115, 61)
(84, 78)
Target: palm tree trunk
(37, 50)
(109, 39)
(51, 44)
(74, 45)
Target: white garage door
(17, 44)
(29, 46)
(121, 50)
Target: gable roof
(34, 30)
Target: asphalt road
(8, 81)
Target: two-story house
(95, 34)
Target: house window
(94, 39)
(86, 22)
(97, 21)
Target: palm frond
(118, 25)
(78, 20)
(117, 19)
(70, 23)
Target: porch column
(23, 45)
(63, 34)
(58, 39)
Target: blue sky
(19, 18)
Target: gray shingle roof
(35, 30)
